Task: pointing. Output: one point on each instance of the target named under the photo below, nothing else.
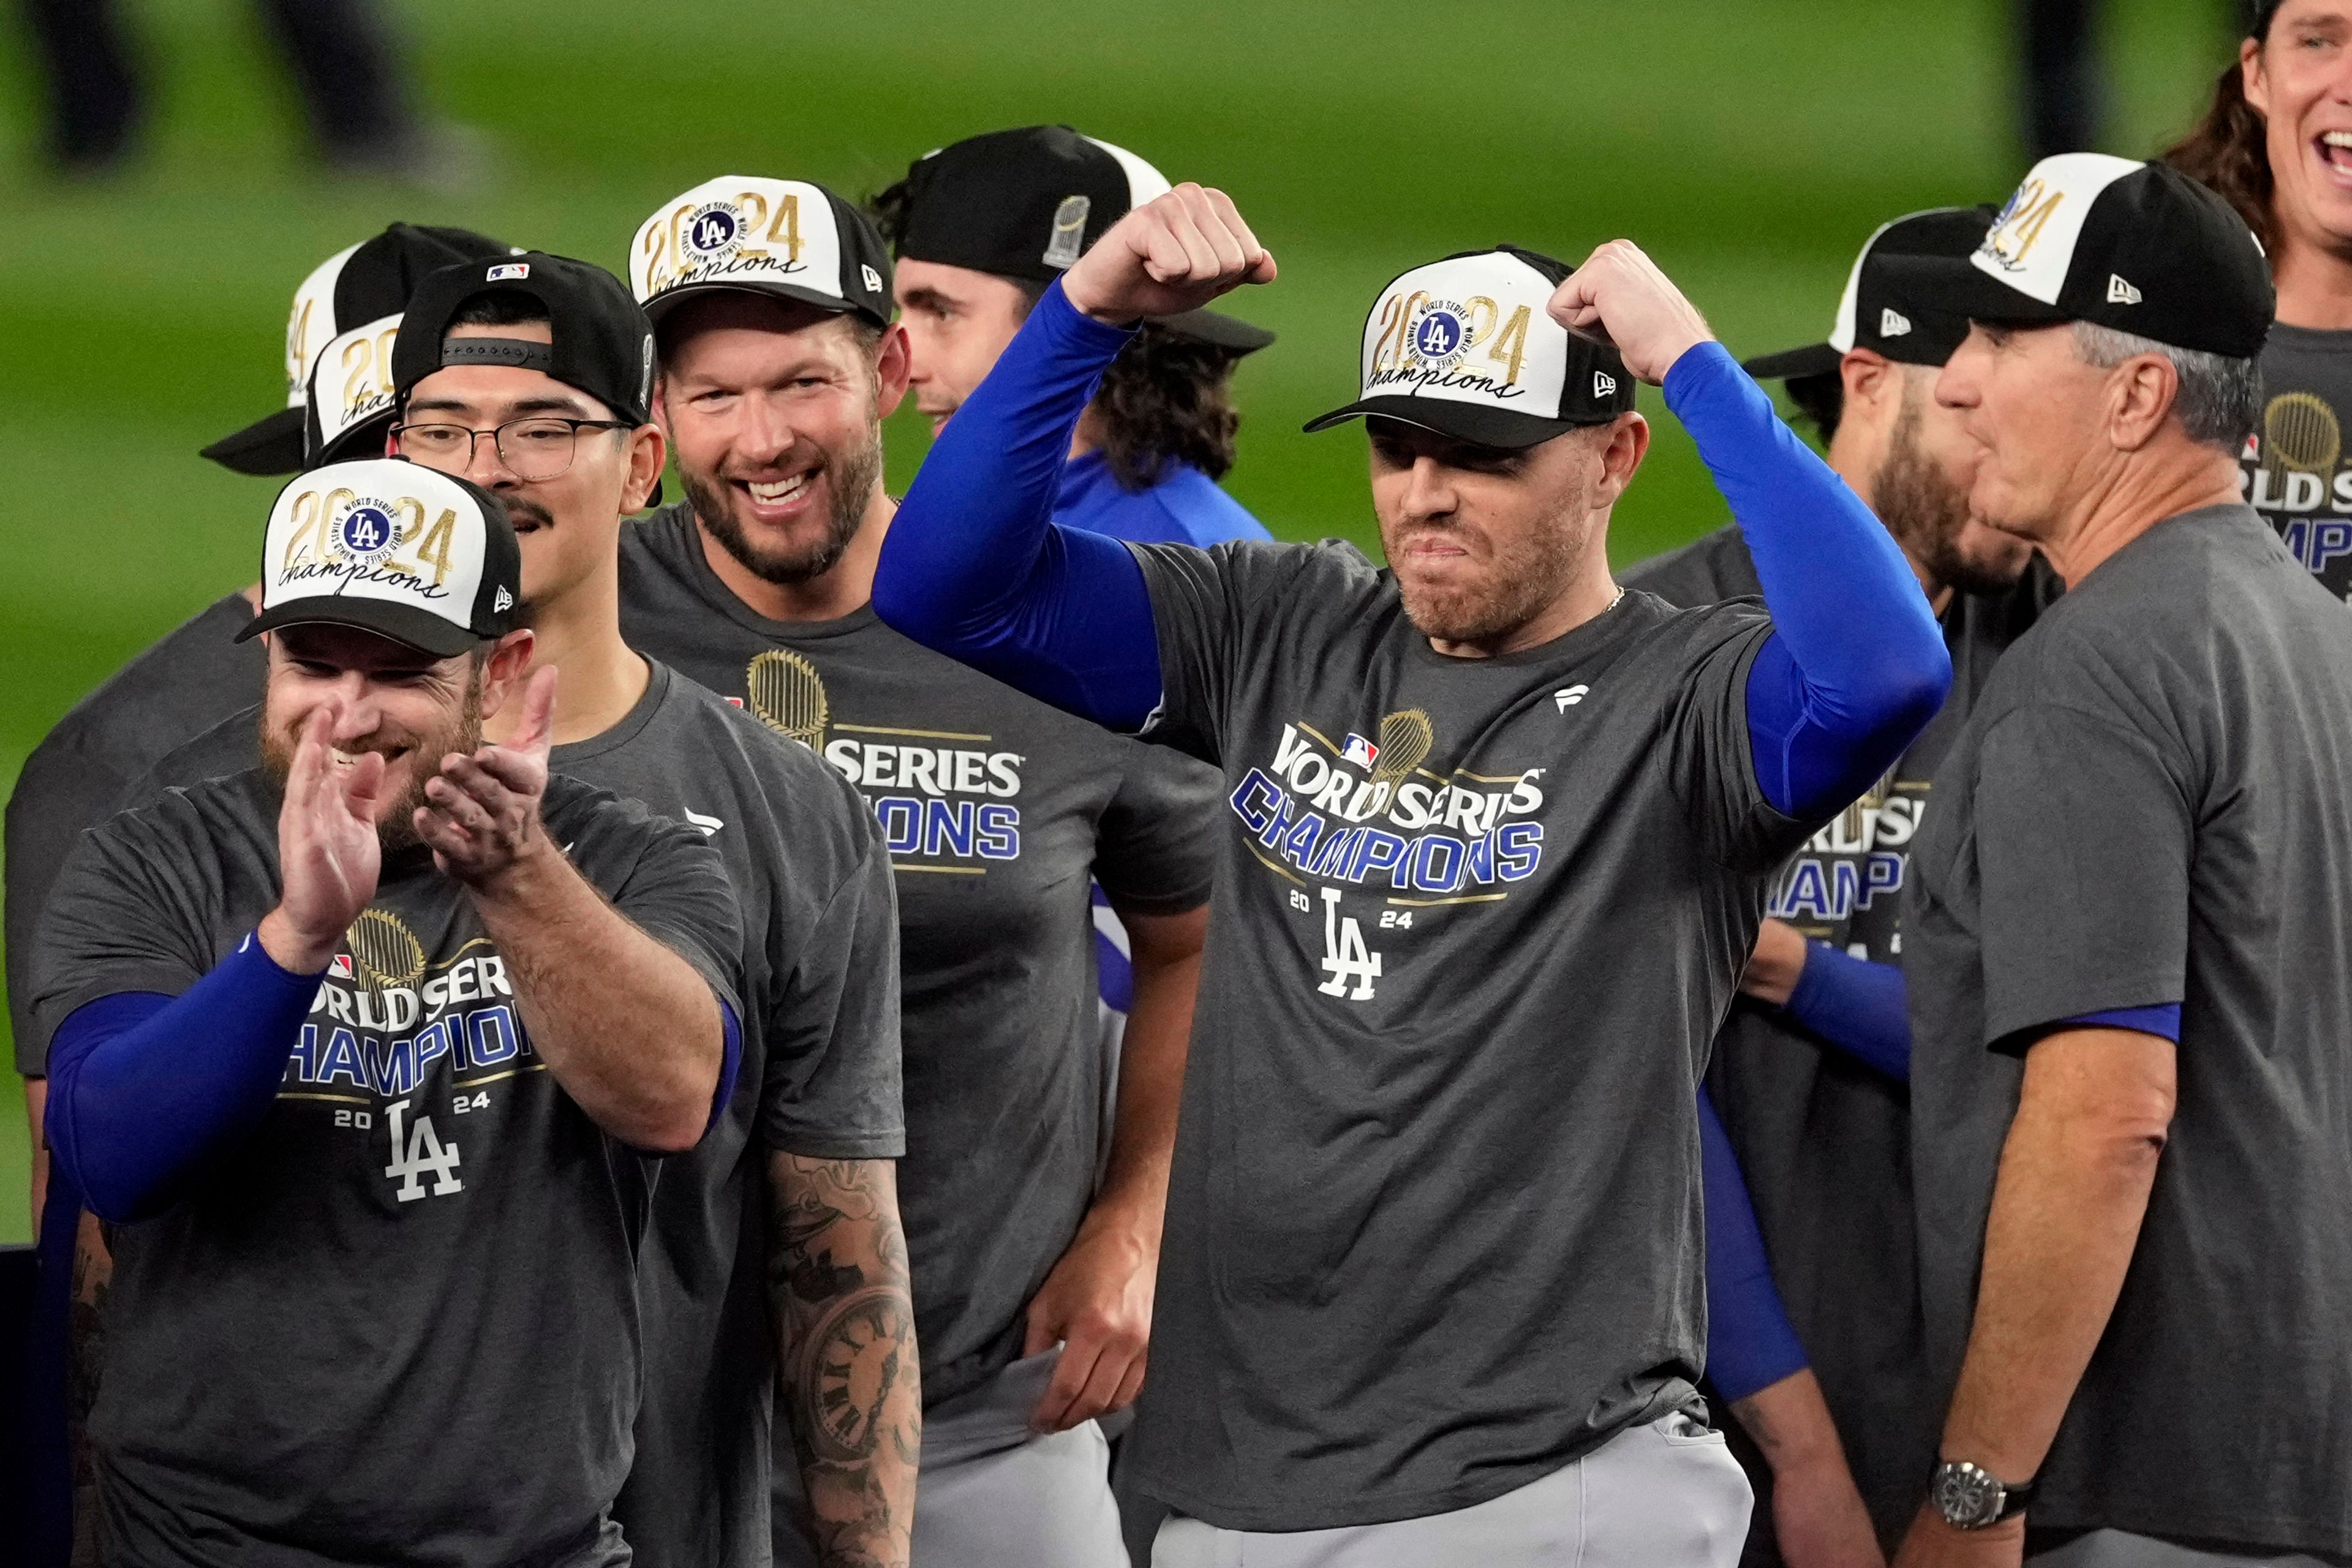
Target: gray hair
(2221, 399)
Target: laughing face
(2300, 78)
(775, 410)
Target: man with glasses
(527, 377)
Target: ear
(2252, 78)
(1626, 444)
(648, 450)
(502, 671)
(1869, 377)
(2140, 395)
(894, 359)
(661, 404)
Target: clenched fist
(1174, 253)
(1620, 296)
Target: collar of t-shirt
(682, 543)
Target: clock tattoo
(854, 1365)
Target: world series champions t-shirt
(819, 1077)
(398, 1322)
(2297, 470)
(994, 809)
(2148, 806)
(1823, 1140)
(1433, 1227)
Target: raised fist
(1619, 297)
(1174, 253)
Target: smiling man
(1498, 844)
(527, 377)
(1034, 1283)
(395, 1006)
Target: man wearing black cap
(1033, 1285)
(1498, 840)
(197, 673)
(979, 228)
(362, 1054)
(1808, 1068)
(2124, 937)
(528, 375)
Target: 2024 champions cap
(2139, 248)
(1908, 319)
(393, 548)
(348, 402)
(359, 284)
(1026, 204)
(791, 238)
(1464, 347)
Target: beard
(1512, 587)
(396, 831)
(1928, 514)
(851, 474)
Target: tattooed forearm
(846, 1324)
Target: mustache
(519, 509)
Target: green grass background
(1748, 146)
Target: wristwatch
(1971, 1498)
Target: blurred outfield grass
(1748, 146)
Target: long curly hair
(1167, 399)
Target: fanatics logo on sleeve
(1568, 696)
(507, 272)
(1358, 750)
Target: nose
(765, 433)
(1429, 490)
(356, 711)
(1956, 383)
(485, 467)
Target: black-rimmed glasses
(538, 446)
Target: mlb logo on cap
(391, 548)
(1465, 347)
(787, 237)
(506, 272)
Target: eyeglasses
(538, 448)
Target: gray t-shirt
(1433, 1228)
(819, 1077)
(77, 776)
(399, 1320)
(1823, 1140)
(994, 808)
(2298, 473)
(2149, 806)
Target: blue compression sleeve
(1857, 1006)
(975, 566)
(144, 1089)
(1857, 666)
(1749, 1341)
(2164, 1019)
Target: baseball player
(977, 229)
(533, 384)
(1498, 842)
(2273, 143)
(1808, 1069)
(2129, 1086)
(199, 672)
(362, 1055)
(777, 359)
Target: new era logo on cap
(1465, 347)
(1893, 323)
(2120, 292)
(390, 547)
(781, 236)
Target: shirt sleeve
(1154, 847)
(832, 1089)
(2083, 844)
(62, 790)
(1713, 767)
(126, 914)
(677, 892)
(1203, 604)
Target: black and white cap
(791, 238)
(348, 403)
(602, 344)
(1026, 204)
(1465, 348)
(393, 548)
(1909, 319)
(2139, 248)
(358, 285)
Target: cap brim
(1217, 330)
(1958, 287)
(1816, 359)
(1471, 422)
(661, 305)
(364, 439)
(266, 446)
(404, 624)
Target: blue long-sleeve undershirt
(1857, 1005)
(974, 567)
(1750, 1343)
(146, 1089)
